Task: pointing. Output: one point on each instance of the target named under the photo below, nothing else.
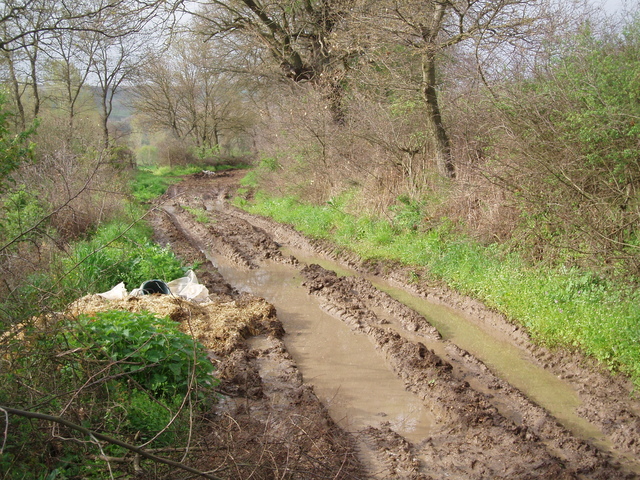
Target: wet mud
(484, 427)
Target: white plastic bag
(116, 293)
(184, 287)
(189, 288)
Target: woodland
(507, 127)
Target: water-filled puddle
(347, 374)
(504, 359)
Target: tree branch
(105, 438)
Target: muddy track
(486, 428)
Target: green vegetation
(135, 377)
(128, 374)
(542, 219)
(570, 160)
(560, 306)
(15, 149)
(150, 182)
(149, 350)
(200, 214)
(603, 112)
(118, 251)
(68, 228)
(21, 210)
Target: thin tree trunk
(435, 129)
(106, 113)
(16, 91)
(33, 63)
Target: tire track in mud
(486, 429)
(467, 417)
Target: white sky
(615, 6)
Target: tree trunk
(16, 92)
(435, 129)
(107, 107)
(33, 62)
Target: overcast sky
(613, 6)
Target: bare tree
(423, 31)
(296, 35)
(188, 92)
(32, 31)
(84, 16)
(115, 62)
(23, 56)
(70, 58)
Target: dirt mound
(219, 326)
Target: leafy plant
(150, 350)
(20, 211)
(15, 149)
(126, 374)
(147, 417)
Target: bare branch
(105, 438)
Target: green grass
(200, 214)
(559, 307)
(117, 252)
(151, 182)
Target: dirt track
(485, 427)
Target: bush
(125, 374)
(15, 150)
(567, 160)
(20, 211)
(149, 350)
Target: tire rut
(486, 428)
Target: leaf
(176, 368)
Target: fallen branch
(105, 438)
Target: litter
(116, 293)
(154, 286)
(186, 287)
(189, 288)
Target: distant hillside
(121, 108)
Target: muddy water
(506, 360)
(503, 358)
(348, 376)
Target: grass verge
(151, 182)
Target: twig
(105, 438)
(6, 430)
